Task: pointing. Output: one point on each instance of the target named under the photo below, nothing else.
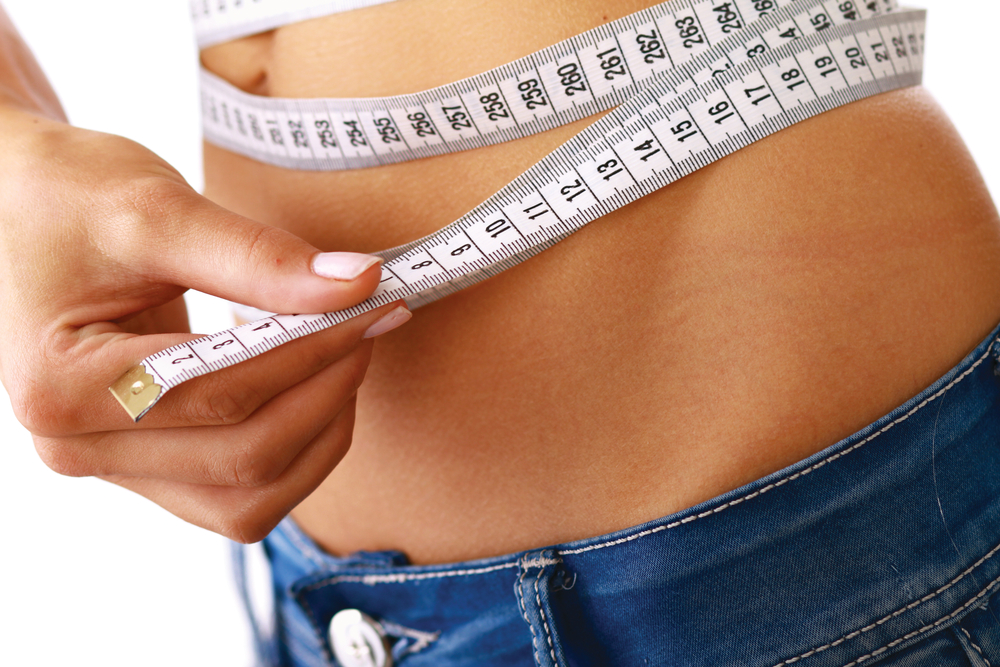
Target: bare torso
(714, 332)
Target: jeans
(882, 548)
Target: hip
(880, 547)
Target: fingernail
(342, 265)
(397, 317)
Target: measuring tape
(758, 81)
(217, 21)
(569, 81)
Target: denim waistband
(861, 550)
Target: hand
(98, 241)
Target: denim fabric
(882, 548)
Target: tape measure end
(136, 391)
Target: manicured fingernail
(397, 317)
(342, 265)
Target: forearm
(22, 83)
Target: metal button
(358, 640)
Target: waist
(719, 330)
(900, 519)
(708, 335)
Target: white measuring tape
(571, 80)
(794, 63)
(217, 21)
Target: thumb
(205, 247)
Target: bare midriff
(714, 332)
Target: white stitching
(930, 626)
(790, 478)
(373, 579)
(545, 620)
(524, 615)
(896, 613)
(975, 646)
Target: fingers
(252, 453)
(111, 237)
(100, 238)
(171, 317)
(248, 514)
(56, 407)
(198, 244)
(125, 231)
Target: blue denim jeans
(882, 548)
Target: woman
(853, 285)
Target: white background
(93, 575)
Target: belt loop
(533, 590)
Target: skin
(698, 339)
(99, 240)
(707, 335)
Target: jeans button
(358, 640)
